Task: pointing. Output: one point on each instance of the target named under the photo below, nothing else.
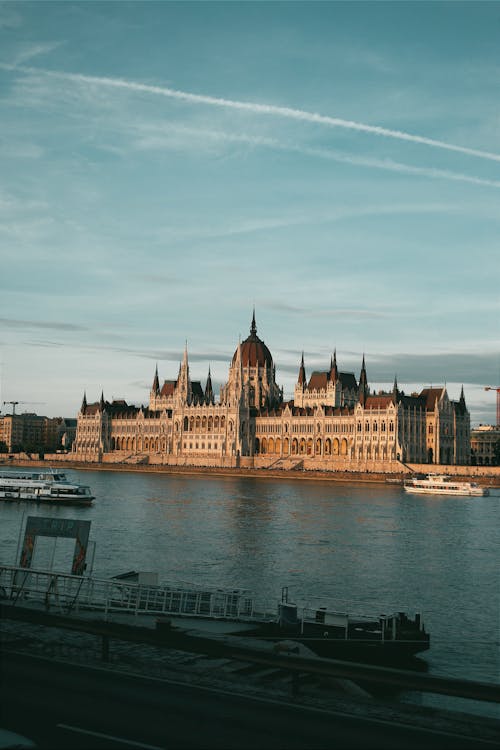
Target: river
(366, 548)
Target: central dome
(254, 353)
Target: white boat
(46, 486)
(441, 484)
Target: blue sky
(165, 166)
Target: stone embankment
(488, 476)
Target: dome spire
(253, 327)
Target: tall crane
(15, 403)
(497, 389)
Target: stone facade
(485, 445)
(333, 422)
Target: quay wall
(267, 467)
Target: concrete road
(61, 705)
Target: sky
(166, 167)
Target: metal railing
(72, 593)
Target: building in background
(334, 421)
(31, 433)
(485, 445)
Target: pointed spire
(302, 372)
(253, 327)
(395, 390)
(84, 403)
(209, 392)
(334, 373)
(101, 402)
(363, 383)
(156, 382)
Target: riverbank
(486, 476)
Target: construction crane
(15, 403)
(497, 389)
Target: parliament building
(334, 422)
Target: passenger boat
(441, 484)
(46, 486)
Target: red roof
(318, 381)
(430, 395)
(168, 388)
(379, 402)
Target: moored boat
(441, 484)
(201, 614)
(45, 486)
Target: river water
(360, 548)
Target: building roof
(318, 381)
(348, 380)
(430, 396)
(381, 401)
(168, 388)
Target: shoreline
(486, 479)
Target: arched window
(204, 423)
(186, 423)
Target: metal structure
(497, 389)
(15, 403)
(73, 592)
(84, 592)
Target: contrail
(344, 158)
(264, 109)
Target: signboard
(69, 528)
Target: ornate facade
(333, 422)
